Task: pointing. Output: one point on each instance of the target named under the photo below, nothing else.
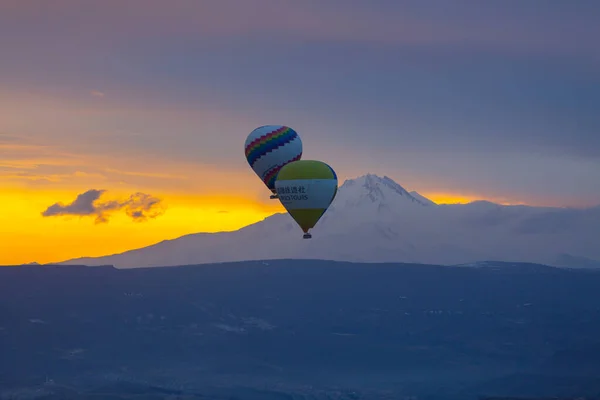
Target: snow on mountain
(374, 219)
(422, 198)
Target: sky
(134, 112)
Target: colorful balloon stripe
(269, 143)
(271, 175)
(264, 138)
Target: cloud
(8, 138)
(139, 206)
(146, 174)
(96, 93)
(561, 26)
(44, 177)
(22, 153)
(442, 94)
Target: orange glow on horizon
(27, 236)
(454, 198)
(449, 198)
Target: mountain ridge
(374, 219)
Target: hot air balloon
(306, 188)
(269, 148)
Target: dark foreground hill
(299, 330)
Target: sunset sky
(459, 100)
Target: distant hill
(284, 328)
(374, 219)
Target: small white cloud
(96, 93)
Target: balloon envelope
(269, 148)
(306, 188)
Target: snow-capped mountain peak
(374, 189)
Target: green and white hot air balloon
(306, 188)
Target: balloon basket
(274, 196)
(307, 236)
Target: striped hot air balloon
(306, 188)
(269, 148)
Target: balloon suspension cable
(307, 236)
